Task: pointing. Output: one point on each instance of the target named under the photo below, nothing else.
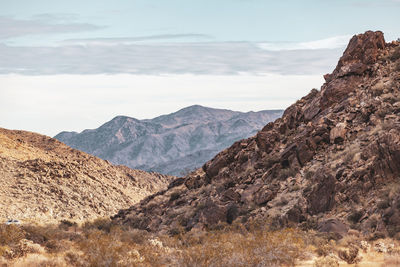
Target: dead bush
(11, 234)
(43, 234)
(328, 261)
(66, 225)
(349, 255)
(106, 249)
(103, 224)
(355, 216)
(232, 248)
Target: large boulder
(322, 197)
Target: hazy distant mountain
(170, 144)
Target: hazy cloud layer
(43, 24)
(328, 43)
(176, 58)
(129, 40)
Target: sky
(73, 65)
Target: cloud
(56, 17)
(174, 58)
(11, 27)
(128, 40)
(328, 43)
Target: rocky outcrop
(359, 57)
(330, 163)
(43, 179)
(171, 144)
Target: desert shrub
(106, 249)
(355, 216)
(376, 235)
(66, 225)
(103, 224)
(134, 236)
(56, 245)
(42, 234)
(174, 196)
(325, 249)
(238, 248)
(349, 255)
(10, 234)
(178, 230)
(328, 261)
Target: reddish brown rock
(333, 153)
(359, 56)
(322, 197)
(267, 140)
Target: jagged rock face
(171, 144)
(334, 155)
(43, 179)
(360, 56)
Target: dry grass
(235, 248)
(100, 243)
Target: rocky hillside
(170, 144)
(41, 178)
(331, 163)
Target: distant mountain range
(170, 144)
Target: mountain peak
(169, 143)
(333, 155)
(359, 58)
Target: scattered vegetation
(350, 255)
(100, 243)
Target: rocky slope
(331, 163)
(170, 144)
(43, 179)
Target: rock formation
(169, 144)
(43, 179)
(331, 162)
